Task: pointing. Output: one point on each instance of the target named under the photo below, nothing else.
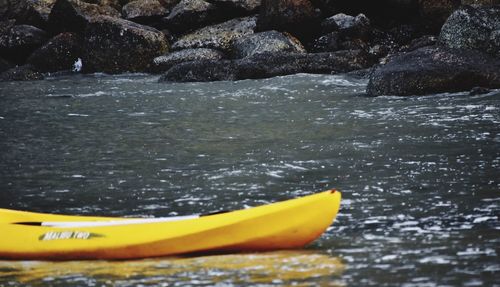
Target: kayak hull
(284, 225)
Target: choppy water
(420, 176)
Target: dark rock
(165, 62)
(427, 40)
(21, 73)
(435, 69)
(219, 37)
(348, 22)
(383, 13)
(116, 4)
(266, 42)
(5, 65)
(169, 4)
(244, 7)
(115, 45)
(18, 42)
(268, 65)
(6, 25)
(329, 25)
(75, 15)
(473, 28)
(299, 17)
(479, 91)
(271, 65)
(330, 42)
(202, 71)
(144, 11)
(59, 54)
(191, 14)
(480, 2)
(403, 34)
(28, 12)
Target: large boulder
(165, 62)
(75, 15)
(115, 45)
(219, 37)
(435, 69)
(21, 73)
(268, 65)
(59, 54)
(29, 12)
(19, 41)
(266, 42)
(144, 11)
(299, 17)
(473, 28)
(191, 14)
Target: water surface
(419, 176)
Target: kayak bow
(283, 225)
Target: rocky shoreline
(410, 47)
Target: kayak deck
(283, 225)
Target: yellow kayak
(283, 225)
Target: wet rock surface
(435, 69)
(191, 14)
(21, 73)
(299, 17)
(268, 65)
(473, 28)
(266, 42)
(239, 39)
(115, 46)
(165, 62)
(219, 36)
(75, 15)
(144, 11)
(59, 54)
(17, 42)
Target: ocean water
(420, 176)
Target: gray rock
(299, 17)
(245, 6)
(330, 42)
(144, 11)
(329, 25)
(473, 28)
(111, 3)
(21, 73)
(435, 69)
(59, 54)
(18, 42)
(28, 12)
(165, 62)
(427, 40)
(347, 22)
(191, 14)
(266, 42)
(268, 65)
(115, 46)
(219, 37)
(75, 15)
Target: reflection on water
(274, 268)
